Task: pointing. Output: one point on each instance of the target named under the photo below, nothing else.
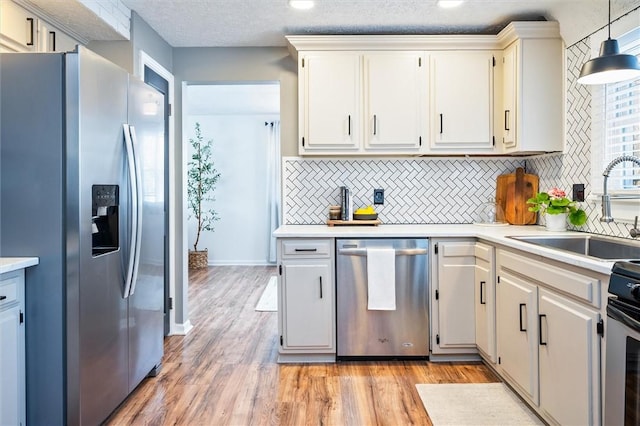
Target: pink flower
(557, 193)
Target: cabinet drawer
(584, 287)
(9, 289)
(306, 248)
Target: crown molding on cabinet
(513, 31)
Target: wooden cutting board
(512, 192)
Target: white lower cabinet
(452, 297)
(548, 337)
(485, 301)
(306, 308)
(12, 347)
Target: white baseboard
(182, 329)
(240, 263)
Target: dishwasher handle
(399, 252)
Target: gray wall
(205, 65)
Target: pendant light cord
(609, 20)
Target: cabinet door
(462, 100)
(394, 97)
(509, 91)
(308, 297)
(485, 308)
(455, 297)
(53, 40)
(517, 332)
(569, 360)
(12, 367)
(18, 28)
(330, 99)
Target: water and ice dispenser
(104, 219)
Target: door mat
(269, 300)
(474, 404)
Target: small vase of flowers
(557, 208)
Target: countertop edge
(10, 264)
(492, 234)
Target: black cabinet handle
(522, 305)
(441, 128)
(349, 130)
(506, 119)
(540, 330)
(30, 21)
(306, 250)
(482, 298)
(53, 40)
(320, 287)
(375, 121)
(3, 297)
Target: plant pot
(556, 222)
(198, 259)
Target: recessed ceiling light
(301, 4)
(448, 4)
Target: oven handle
(399, 252)
(620, 316)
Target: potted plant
(557, 208)
(201, 182)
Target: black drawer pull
(306, 250)
(540, 329)
(522, 305)
(482, 297)
(3, 297)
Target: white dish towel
(381, 279)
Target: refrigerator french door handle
(138, 211)
(131, 166)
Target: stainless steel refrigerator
(82, 188)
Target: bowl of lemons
(365, 213)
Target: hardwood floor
(224, 372)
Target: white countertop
(9, 264)
(492, 234)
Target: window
(616, 127)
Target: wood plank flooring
(224, 372)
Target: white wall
(240, 155)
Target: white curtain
(273, 184)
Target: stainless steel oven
(622, 376)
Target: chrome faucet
(606, 198)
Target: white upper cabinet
(18, 28)
(23, 31)
(432, 94)
(533, 89)
(462, 101)
(394, 94)
(330, 100)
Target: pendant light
(611, 66)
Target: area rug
(474, 404)
(269, 300)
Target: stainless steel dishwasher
(403, 332)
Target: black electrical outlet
(578, 192)
(378, 196)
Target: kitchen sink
(601, 248)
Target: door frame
(148, 61)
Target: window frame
(624, 210)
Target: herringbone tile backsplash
(438, 190)
(420, 190)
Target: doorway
(239, 118)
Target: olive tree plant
(202, 177)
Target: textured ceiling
(191, 23)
